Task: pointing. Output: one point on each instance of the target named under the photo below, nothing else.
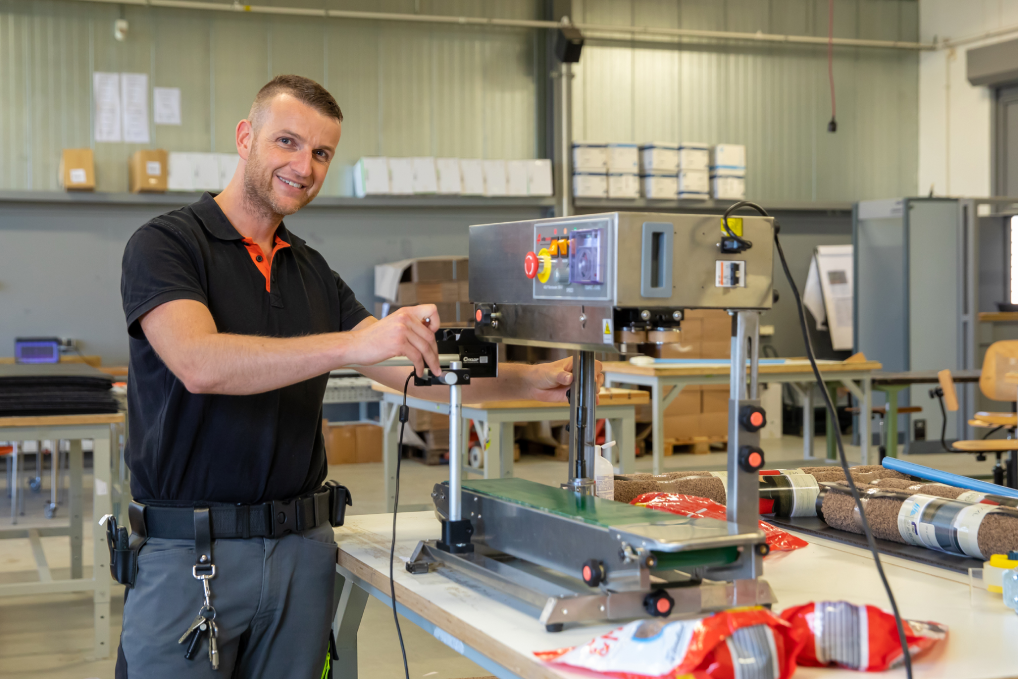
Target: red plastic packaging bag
(856, 637)
(760, 643)
(690, 505)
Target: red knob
(531, 264)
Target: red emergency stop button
(751, 458)
(752, 418)
(531, 264)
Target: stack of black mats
(54, 389)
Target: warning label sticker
(607, 334)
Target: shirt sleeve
(159, 266)
(351, 312)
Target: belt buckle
(283, 519)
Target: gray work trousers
(273, 601)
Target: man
(235, 324)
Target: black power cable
(404, 415)
(837, 430)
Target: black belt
(267, 520)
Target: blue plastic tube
(947, 478)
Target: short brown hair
(305, 90)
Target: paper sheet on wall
(106, 95)
(828, 293)
(134, 100)
(166, 105)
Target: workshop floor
(51, 636)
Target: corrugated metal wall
(772, 98)
(405, 89)
(409, 89)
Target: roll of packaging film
(794, 495)
(945, 525)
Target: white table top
(981, 643)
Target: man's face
(291, 149)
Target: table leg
(352, 600)
(807, 422)
(866, 415)
(498, 455)
(76, 463)
(54, 464)
(625, 429)
(12, 484)
(658, 426)
(832, 447)
(891, 423)
(390, 450)
(101, 505)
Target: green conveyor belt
(565, 503)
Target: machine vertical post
(583, 397)
(743, 484)
(455, 446)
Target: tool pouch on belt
(339, 498)
(123, 555)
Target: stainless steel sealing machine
(590, 284)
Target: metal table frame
(664, 389)
(494, 428)
(102, 434)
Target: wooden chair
(999, 382)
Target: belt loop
(244, 518)
(314, 508)
(203, 540)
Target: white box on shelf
(728, 156)
(694, 181)
(590, 185)
(471, 177)
(729, 188)
(228, 163)
(425, 177)
(371, 176)
(401, 176)
(495, 183)
(181, 172)
(206, 171)
(447, 171)
(590, 157)
(739, 172)
(694, 156)
(660, 186)
(623, 158)
(516, 177)
(659, 157)
(539, 181)
(623, 185)
(693, 196)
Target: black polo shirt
(186, 448)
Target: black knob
(658, 603)
(593, 573)
(751, 458)
(752, 418)
(482, 316)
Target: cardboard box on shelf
(341, 446)
(728, 156)
(694, 181)
(688, 402)
(728, 188)
(539, 181)
(495, 181)
(181, 172)
(371, 176)
(401, 176)
(590, 185)
(623, 186)
(463, 294)
(715, 398)
(516, 177)
(589, 156)
(719, 350)
(447, 172)
(148, 171)
(425, 175)
(623, 158)
(471, 177)
(660, 187)
(206, 171)
(77, 170)
(659, 157)
(369, 442)
(388, 277)
(694, 156)
(682, 427)
(428, 293)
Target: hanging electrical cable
(833, 125)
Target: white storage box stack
(200, 171)
(694, 171)
(495, 183)
(401, 176)
(539, 181)
(381, 176)
(728, 171)
(425, 175)
(623, 171)
(590, 170)
(447, 174)
(516, 177)
(472, 177)
(659, 167)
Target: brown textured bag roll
(838, 510)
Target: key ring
(211, 609)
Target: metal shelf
(373, 202)
(587, 205)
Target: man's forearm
(509, 385)
(222, 363)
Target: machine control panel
(571, 261)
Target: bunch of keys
(202, 625)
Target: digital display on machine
(571, 260)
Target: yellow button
(563, 247)
(553, 248)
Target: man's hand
(550, 381)
(409, 331)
